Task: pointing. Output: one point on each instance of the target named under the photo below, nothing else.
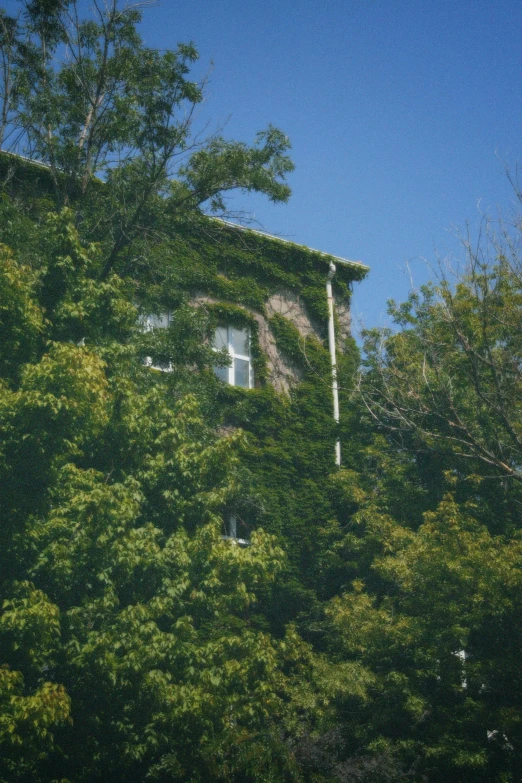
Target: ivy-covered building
(251, 280)
(262, 305)
(281, 332)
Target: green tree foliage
(431, 555)
(129, 635)
(134, 640)
(85, 96)
(373, 632)
(437, 620)
(448, 384)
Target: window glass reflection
(221, 373)
(239, 341)
(241, 373)
(236, 342)
(220, 338)
(160, 321)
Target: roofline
(338, 259)
(37, 163)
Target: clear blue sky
(402, 115)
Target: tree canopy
(372, 629)
(129, 637)
(85, 96)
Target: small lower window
(235, 530)
(237, 344)
(150, 323)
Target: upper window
(237, 344)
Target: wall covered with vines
(209, 273)
(290, 454)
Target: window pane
(159, 321)
(240, 341)
(232, 527)
(242, 373)
(220, 338)
(221, 373)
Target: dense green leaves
(20, 318)
(451, 377)
(83, 95)
(433, 545)
(371, 631)
(376, 638)
(131, 638)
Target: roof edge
(338, 259)
(344, 261)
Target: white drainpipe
(331, 345)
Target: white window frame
(234, 355)
(231, 532)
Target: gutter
(333, 358)
(37, 163)
(228, 223)
(266, 235)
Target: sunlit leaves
(128, 624)
(21, 322)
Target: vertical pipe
(331, 345)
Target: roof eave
(338, 259)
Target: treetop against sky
(402, 117)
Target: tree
(86, 97)
(451, 378)
(436, 619)
(431, 556)
(129, 638)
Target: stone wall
(283, 373)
